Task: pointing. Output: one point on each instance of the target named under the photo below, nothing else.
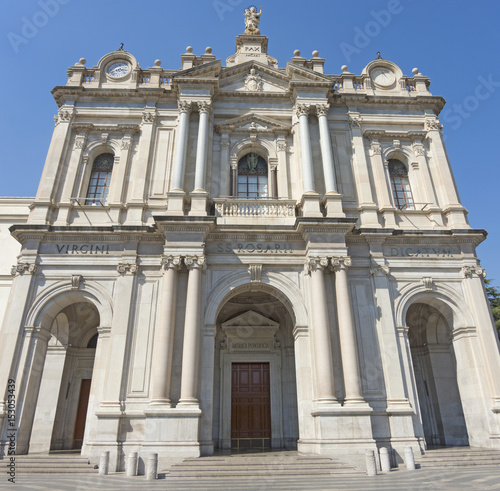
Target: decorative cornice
(392, 135)
(355, 121)
(375, 148)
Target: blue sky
(455, 43)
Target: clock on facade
(382, 76)
(118, 69)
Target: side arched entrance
(435, 374)
(255, 395)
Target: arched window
(400, 184)
(97, 193)
(252, 176)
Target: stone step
(53, 464)
(247, 466)
(459, 457)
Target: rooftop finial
(121, 47)
(379, 57)
(252, 20)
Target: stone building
(243, 255)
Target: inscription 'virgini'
(82, 249)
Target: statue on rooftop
(252, 20)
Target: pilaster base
(135, 212)
(333, 205)
(389, 218)
(40, 213)
(199, 202)
(435, 217)
(309, 204)
(369, 215)
(171, 433)
(176, 203)
(342, 432)
(456, 217)
(63, 214)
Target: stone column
(333, 200)
(443, 175)
(176, 195)
(282, 182)
(367, 206)
(201, 151)
(310, 198)
(191, 346)
(305, 148)
(179, 162)
(164, 335)
(199, 197)
(49, 180)
(321, 333)
(225, 176)
(382, 184)
(273, 185)
(234, 175)
(347, 331)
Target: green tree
(494, 298)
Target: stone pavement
(476, 478)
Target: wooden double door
(250, 406)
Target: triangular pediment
(207, 70)
(250, 318)
(299, 73)
(252, 122)
(253, 78)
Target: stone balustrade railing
(89, 77)
(248, 207)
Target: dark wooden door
(250, 406)
(81, 414)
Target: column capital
(470, 271)
(126, 142)
(302, 109)
(185, 106)
(148, 117)
(322, 109)
(281, 144)
(379, 270)
(124, 268)
(21, 268)
(171, 262)
(355, 121)
(433, 124)
(81, 141)
(204, 106)
(315, 264)
(340, 263)
(195, 262)
(375, 147)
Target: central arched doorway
(435, 371)
(255, 395)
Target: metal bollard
(152, 467)
(131, 464)
(104, 464)
(409, 459)
(371, 467)
(385, 461)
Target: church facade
(246, 256)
